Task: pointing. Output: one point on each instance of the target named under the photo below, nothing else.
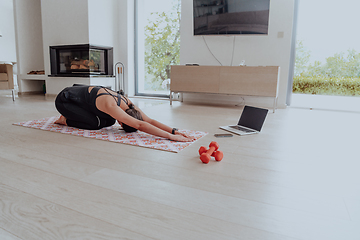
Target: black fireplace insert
(82, 60)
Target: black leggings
(79, 115)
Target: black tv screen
(223, 17)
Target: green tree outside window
(339, 75)
(162, 46)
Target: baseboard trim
(31, 93)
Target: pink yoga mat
(115, 134)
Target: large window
(157, 45)
(328, 48)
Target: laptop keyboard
(242, 129)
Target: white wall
(29, 43)
(7, 30)
(257, 50)
(111, 23)
(103, 22)
(64, 22)
(126, 39)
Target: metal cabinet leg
(275, 103)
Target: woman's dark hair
(134, 113)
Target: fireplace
(82, 60)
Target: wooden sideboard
(259, 81)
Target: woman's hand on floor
(185, 135)
(181, 138)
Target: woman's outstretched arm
(158, 129)
(161, 125)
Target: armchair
(7, 78)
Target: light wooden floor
(298, 179)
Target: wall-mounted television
(231, 17)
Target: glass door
(157, 45)
(327, 64)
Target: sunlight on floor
(325, 102)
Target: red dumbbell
(217, 154)
(205, 154)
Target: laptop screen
(253, 117)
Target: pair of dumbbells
(206, 154)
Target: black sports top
(80, 95)
(118, 96)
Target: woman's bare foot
(61, 120)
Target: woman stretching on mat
(95, 107)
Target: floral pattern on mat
(114, 134)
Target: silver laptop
(251, 121)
